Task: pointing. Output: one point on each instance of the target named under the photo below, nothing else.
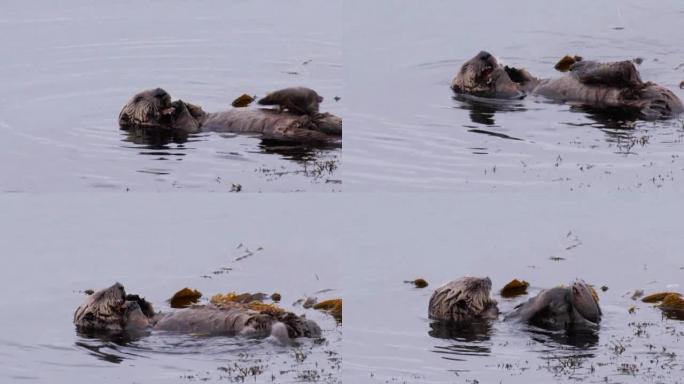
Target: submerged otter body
(153, 110)
(463, 300)
(573, 309)
(610, 86)
(112, 311)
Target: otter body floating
(613, 86)
(573, 309)
(112, 311)
(153, 110)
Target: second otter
(467, 300)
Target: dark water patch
(495, 134)
(158, 172)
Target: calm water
(68, 68)
(406, 132)
(59, 247)
(624, 243)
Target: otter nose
(485, 55)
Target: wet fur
(574, 308)
(609, 86)
(298, 100)
(153, 110)
(463, 300)
(112, 311)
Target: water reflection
(158, 142)
(298, 152)
(482, 110)
(155, 138)
(674, 314)
(467, 332)
(106, 347)
(582, 340)
(467, 339)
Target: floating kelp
(564, 64)
(243, 101)
(656, 297)
(233, 297)
(185, 298)
(673, 306)
(418, 283)
(515, 288)
(270, 309)
(671, 303)
(332, 306)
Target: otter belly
(570, 90)
(270, 124)
(214, 321)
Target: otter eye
(462, 303)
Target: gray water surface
(69, 67)
(405, 131)
(55, 247)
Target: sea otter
(112, 311)
(298, 100)
(573, 309)
(153, 110)
(462, 301)
(608, 86)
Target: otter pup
(608, 86)
(153, 111)
(112, 311)
(463, 300)
(574, 308)
(299, 100)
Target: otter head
(483, 76)
(654, 101)
(111, 310)
(463, 300)
(153, 109)
(585, 301)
